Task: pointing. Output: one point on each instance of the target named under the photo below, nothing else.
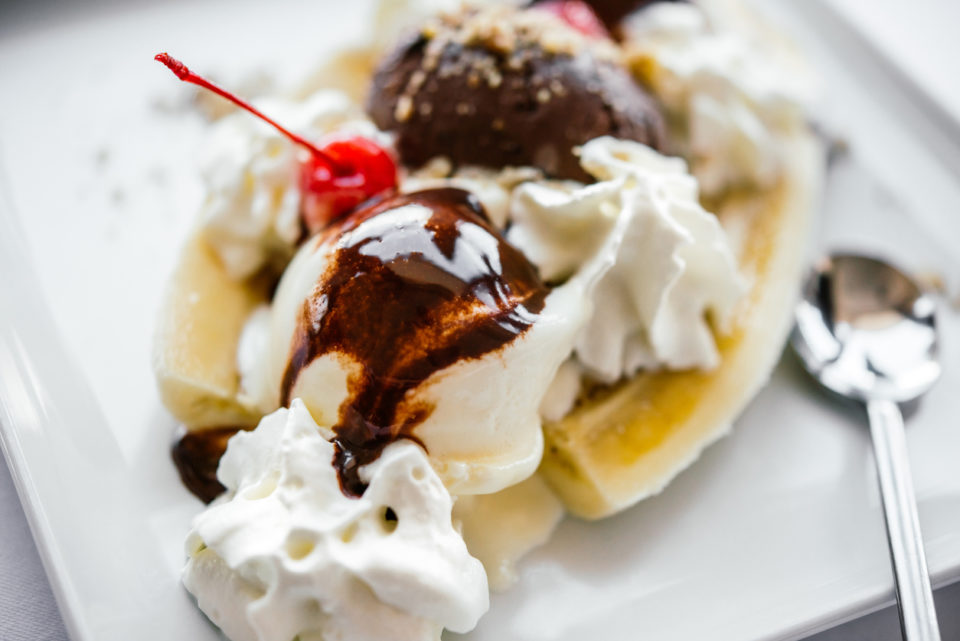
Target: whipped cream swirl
(285, 553)
(733, 89)
(670, 265)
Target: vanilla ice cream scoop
(414, 319)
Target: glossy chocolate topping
(197, 455)
(416, 283)
(508, 101)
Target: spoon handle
(918, 618)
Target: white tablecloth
(27, 608)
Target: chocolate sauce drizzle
(405, 296)
(197, 455)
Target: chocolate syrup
(405, 296)
(197, 455)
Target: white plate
(776, 532)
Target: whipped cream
(670, 265)
(251, 213)
(737, 90)
(284, 553)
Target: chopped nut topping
(404, 108)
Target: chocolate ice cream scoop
(504, 87)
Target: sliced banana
(500, 529)
(195, 348)
(623, 444)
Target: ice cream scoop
(415, 319)
(501, 87)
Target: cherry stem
(182, 72)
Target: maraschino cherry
(577, 14)
(335, 178)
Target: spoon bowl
(867, 331)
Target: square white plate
(775, 533)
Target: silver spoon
(867, 332)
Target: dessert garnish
(500, 87)
(284, 555)
(335, 178)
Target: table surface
(918, 36)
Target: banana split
(546, 260)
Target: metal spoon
(867, 332)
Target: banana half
(625, 443)
(202, 314)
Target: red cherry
(578, 15)
(335, 178)
(362, 169)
